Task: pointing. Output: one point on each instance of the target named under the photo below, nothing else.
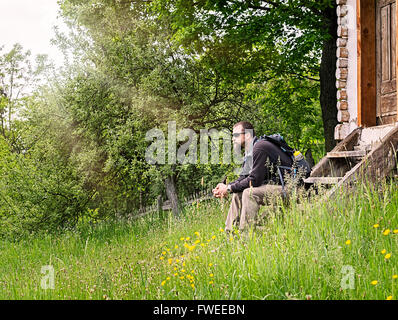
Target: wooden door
(386, 109)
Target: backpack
(299, 167)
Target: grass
(301, 252)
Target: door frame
(366, 62)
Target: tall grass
(302, 251)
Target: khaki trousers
(245, 205)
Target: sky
(30, 23)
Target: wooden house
(367, 94)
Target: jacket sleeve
(257, 175)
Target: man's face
(238, 137)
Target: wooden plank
(346, 154)
(376, 165)
(366, 46)
(322, 180)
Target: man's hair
(246, 126)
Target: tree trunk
(171, 192)
(328, 95)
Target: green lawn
(301, 252)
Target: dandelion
(211, 282)
(182, 270)
(161, 258)
(182, 277)
(395, 231)
(386, 232)
(389, 298)
(221, 230)
(182, 238)
(177, 260)
(168, 278)
(210, 264)
(176, 274)
(183, 264)
(163, 283)
(193, 285)
(376, 226)
(170, 260)
(213, 237)
(387, 256)
(211, 275)
(197, 234)
(164, 252)
(383, 251)
(395, 276)
(197, 241)
(176, 246)
(187, 238)
(374, 282)
(202, 244)
(348, 242)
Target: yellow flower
(183, 264)
(197, 241)
(176, 274)
(389, 298)
(170, 260)
(395, 231)
(187, 238)
(182, 277)
(211, 275)
(386, 232)
(192, 285)
(168, 278)
(376, 225)
(395, 276)
(210, 264)
(176, 246)
(211, 282)
(167, 250)
(348, 242)
(193, 271)
(221, 230)
(383, 251)
(182, 239)
(374, 282)
(164, 252)
(197, 234)
(163, 282)
(177, 260)
(213, 237)
(182, 270)
(161, 258)
(202, 244)
(387, 256)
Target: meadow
(343, 248)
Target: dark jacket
(260, 166)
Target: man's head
(242, 134)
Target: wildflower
(193, 271)
(183, 264)
(175, 274)
(161, 258)
(187, 238)
(383, 251)
(389, 298)
(176, 246)
(387, 256)
(395, 276)
(182, 277)
(221, 230)
(374, 282)
(168, 250)
(163, 283)
(211, 282)
(210, 264)
(376, 225)
(182, 270)
(168, 278)
(170, 260)
(213, 237)
(182, 238)
(348, 242)
(197, 241)
(177, 260)
(164, 252)
(211, 275)
(197, 234)
(395, 231)
(202, 244)
(192, 285)
(386, 232)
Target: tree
(290, 35)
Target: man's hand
(220, 191)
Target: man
(258, 178)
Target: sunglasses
(237, 134)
